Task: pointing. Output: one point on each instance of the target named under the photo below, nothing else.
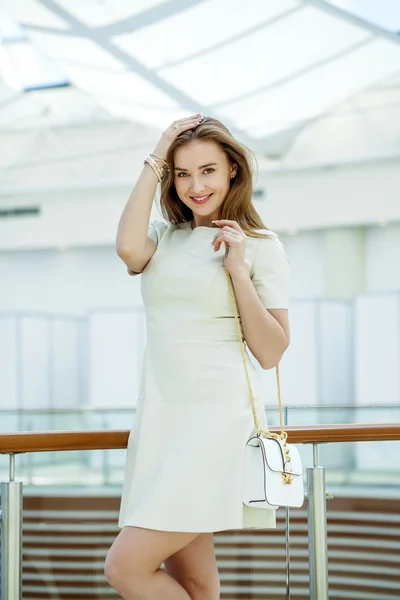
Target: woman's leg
(133, 563)
(195, 568)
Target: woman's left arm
(266, 330)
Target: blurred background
(86, 89)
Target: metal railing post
(287, 553)
(317, 537)
(11, 536)
(287, 534)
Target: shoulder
(268, 236)
(157, 229)
(270, 271)
(268, 249)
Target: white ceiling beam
(148, 17)
(127, 25)
(352, 18)
(191, 104)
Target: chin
(205, 209)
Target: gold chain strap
(260, 431)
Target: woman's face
(202, 177)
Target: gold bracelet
(157, 170)
(153, 154)
(146, 162)
(160, 169)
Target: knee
(121, 581)
(111, 571)
(199, 589)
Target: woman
(184, 458)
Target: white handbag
(273, 473)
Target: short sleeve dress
(184, 459)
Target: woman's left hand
(235, 239)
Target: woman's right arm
(133, 245)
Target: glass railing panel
(71, 503)
(65, 540)
(364, 516)
(251, 562)
(66, 535)
(363, 523)
(364, 545)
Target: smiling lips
(200, 199)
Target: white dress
(184, 458)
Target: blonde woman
(183, 472)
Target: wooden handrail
(51, 441)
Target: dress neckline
(205, 227)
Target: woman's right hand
(173, 131)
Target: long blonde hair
(237, 205)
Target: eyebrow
(202, 167)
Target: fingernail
(212, 243)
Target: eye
(206, 171)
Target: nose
(197, 186)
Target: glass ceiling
(384, 13)
(22, 65)
(264, 68)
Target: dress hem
(195, 531)
(215, 529)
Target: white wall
(329, 263)
(377, 337)
(70, 281)
(83, 212)
(82, 278)
(382, 247)
(305, 251)
(323, 365)
(43, 361)
(333, 196)
(336, 357)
